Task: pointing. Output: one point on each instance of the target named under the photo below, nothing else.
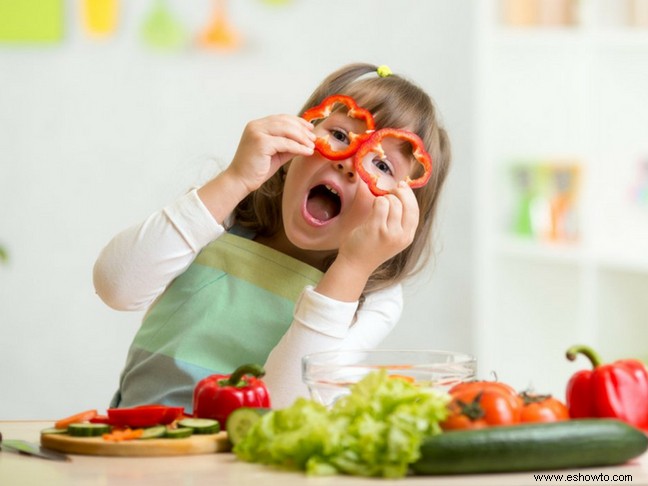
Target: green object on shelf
(26, 21)
(523, 225)
(4, 256)
(277, 3)
(524, 182)
(162, 30)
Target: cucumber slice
(153, 432)
(241, 421)
(88, 430)
(54, 430)
(180, 433)
(200, 425)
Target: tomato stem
(529, 398)
(473, 410)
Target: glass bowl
(330, 374)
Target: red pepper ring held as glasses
(374, 145)
(615, 390)
(324, 110)
(217, 396)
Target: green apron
(231, 306)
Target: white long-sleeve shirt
(138, 264)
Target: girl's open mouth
(323, 203)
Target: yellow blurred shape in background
(100, 16)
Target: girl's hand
(388, 230)
(268, 143)
(265, 145)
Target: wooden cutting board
(97, 446)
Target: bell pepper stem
(246, 369)
(592, 355)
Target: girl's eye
(340, 136)
(382, 166)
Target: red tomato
(483, 385)
(477, 405)
(458, 421)
(543, 408)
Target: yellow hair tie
(384, 71)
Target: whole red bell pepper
(217, 396)
(324, 110)
(617, 390)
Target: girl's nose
(345, 167)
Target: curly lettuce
(376, 430)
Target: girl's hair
(394, 102)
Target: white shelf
(576, 93)
(564, 253)
(571, 253)
(625, 263)
(561, 37)
(565, 37)
(630, 38)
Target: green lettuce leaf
(376, 430)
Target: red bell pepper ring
(374, 146)
(615, 390)
(143, 415)
(217, 396)
(324, 110)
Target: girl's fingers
(280, 145)
(380, 212)
(292, 127)
(409, 208)
(395, 214)
(305, 123)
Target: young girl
(282, 254)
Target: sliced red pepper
(617, 390)
(217, 396)
(374, 146)
(100, 419)
(75, 419)
(144, 415)
(324, 110)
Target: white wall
(96, 135)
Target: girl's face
(324, 200)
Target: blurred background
(110, 109)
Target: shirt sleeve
(140, 262)
(324, 324)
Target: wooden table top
(223, 469)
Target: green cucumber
(531, 447)
(181, 433)
(200, 425)
(88, 430)
(241, 420)
(54, 430)
(153, 432)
